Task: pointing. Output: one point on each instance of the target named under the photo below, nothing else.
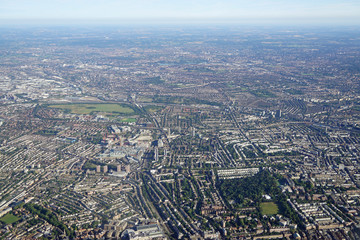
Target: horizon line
(341, 21)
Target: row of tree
(50, 217)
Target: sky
(307, 11)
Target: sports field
(9, 219)
(129, 120)
(86, 108)
(269, 208)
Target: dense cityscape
(172, 132)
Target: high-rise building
(278, 114)
(98, 168)
(127, 168)
(156, 153)
(105, 169)
(118, 168)
(160, 143)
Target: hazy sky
(347, 11)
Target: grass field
(9, 219)
(129, 120)
(85, 108)
(262, 93)
(144, 99)
(269, 208)
(153, 108)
